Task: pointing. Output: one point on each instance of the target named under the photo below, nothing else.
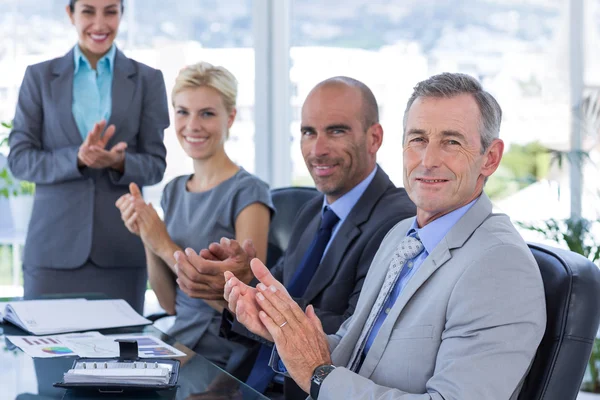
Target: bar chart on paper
(91, 345)
(41, 341)
(156, 352)
(52, 346)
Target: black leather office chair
(287, 201)
(572, 285)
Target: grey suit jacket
(466, 326)
(74, 215)
(338, 281)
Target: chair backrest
(572, 286)
(287, 201)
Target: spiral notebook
(120, 372)
(119, 375)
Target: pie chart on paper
(57, 350)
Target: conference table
(26, 378)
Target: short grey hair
(448, 85)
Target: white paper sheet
(44, 317)
(91, 345)
(52, 345)
(150, 346)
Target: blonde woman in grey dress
(220, 199)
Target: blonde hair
(205, 74)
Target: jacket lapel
(368, 296)
(348, 232)
(455, 238)
(61, 89)
(435, 260)
(123, 89)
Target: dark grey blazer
(74, 215)
(336, 286)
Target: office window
(170, 35)
(518, 50)
(164, 35)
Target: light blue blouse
(92, 90)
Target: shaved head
(370, 111)
(340, 135)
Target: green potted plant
(19, 193)
(5, 217)
(580, 235)
(4, 135)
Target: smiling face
(201, 121)
(97, 24)
(338, 150)
(444, 168)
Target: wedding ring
(282, 325)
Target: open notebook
(44, 317)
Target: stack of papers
(119, 373)
(45, 317)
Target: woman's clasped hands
(93, 154)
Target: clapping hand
(153, 230)
(270, 312)
(201, 275)
(93, 154)
(141, 219)
(127, 205)
(242, 298)
(298, 335)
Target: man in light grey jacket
(453, 306)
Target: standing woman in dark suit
(87, 125)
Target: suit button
(387, 310)
(410, 264)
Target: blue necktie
(312, 257)
(262, 373)
(407, 249)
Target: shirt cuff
(277, 364)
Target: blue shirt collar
(433, 233)
(342, 206)
(108, 59)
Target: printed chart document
(91, 345)
(45, 317)
(51, 346)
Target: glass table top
(24, 378)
